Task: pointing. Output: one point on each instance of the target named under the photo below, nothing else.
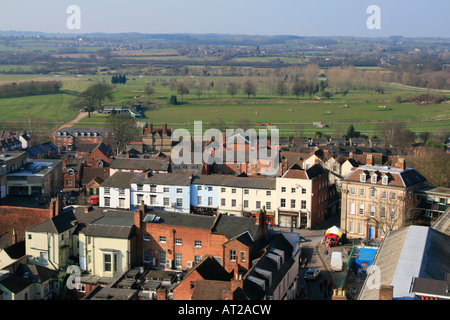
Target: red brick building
(95, 155)
(178, 241)
(69, 137)
(72, 174)
(209, 281)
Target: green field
(362, 108)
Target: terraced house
(378, 198)
(167, 191)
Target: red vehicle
(94, 200)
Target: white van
(336, 261)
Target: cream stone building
(377, 199)
(106, 247)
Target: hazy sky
(411, 18)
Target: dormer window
(362, 177)
(385, 180)
(373, 178)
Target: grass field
(363, 108)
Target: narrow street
(313, 250)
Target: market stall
(333, 236)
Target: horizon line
(222, 34)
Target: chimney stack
(14, 236)
(161, 294)
(164, 128)
(401, 163)
(369, 160)
(386, 292)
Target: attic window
(385, 180)
(362, 177)
(373, 178)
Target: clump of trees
(428, 98)
(395, 135)
(122, 79)
(28, 88)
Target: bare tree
(233, 88)
(282, 88)
(249, 88)
(123, 130)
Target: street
(313, 251)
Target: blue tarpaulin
(365, 259)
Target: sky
(409, 18)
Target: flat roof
(36, 168)
(437, 191)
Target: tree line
(28, 88)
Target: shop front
(288, 219)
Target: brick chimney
(64, 163)
(14, 237)
(386, 292)
(401, 163)
(369, 160)
(161, 294)
(164, 128)
(227, 295)
(236, 281)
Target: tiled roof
(58, 224)
(397, 177)
(119, 180)
(295, 172)
(234, 181)
(176, 179)
(140, 164)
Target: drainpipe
(173, 233)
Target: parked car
(312, 274)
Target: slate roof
(397, 177)
(58, 224)
(266, 263)
(119, 180)
(295, 172)
(432, 287)
(16, 282)
(113, 225)
(228, 226)
(16, 251)
(234, 181)
(73, 130)
(140, 164)
(210, 269)
(175, 179)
